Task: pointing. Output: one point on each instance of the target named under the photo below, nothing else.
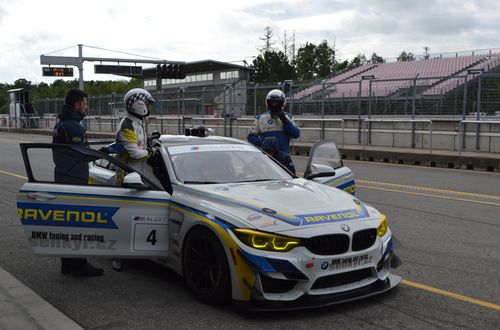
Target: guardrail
(365, 131)
(323, 121)
(461, 131)
(315, 129)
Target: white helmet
(275, 101)
(137, 102)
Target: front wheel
(205, 267)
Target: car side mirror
(320, 171)
(133, 180)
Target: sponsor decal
(270, 122)
(324, 265)
(254, 217)
(36, 214)
(350, 262)
(311, 219)
(147, 218)
(269, 223)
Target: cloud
(229, 30)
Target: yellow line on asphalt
(423, 167)
(451, 192)
(451, 295)
(13, 141)
(14, 175)
(429, 195)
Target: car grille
(363, 239)
(328, 244)
(341, 279)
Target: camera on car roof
(200, 131)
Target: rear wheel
(205, 267)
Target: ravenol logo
(66, 215)
(357, 213)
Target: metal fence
(463, 95)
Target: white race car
(223, 214)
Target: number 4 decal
(152, 237)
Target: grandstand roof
(200, 66)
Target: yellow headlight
(383, 227)
(266, 241)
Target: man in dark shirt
(69, 168)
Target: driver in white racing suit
(131, 134)
(132, 138)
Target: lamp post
(322, 135)
(255, 99)
(181, 90)
(224, 112)
(370, 79)
(479, 72)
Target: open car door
(125, 220)
(325, 166)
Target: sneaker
(117, 265)
(87, 270)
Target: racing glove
(283, 117)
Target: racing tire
(205, 267)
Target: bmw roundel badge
(345, 227)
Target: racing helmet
(137, 102)
(275, 101)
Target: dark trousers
(69, 264)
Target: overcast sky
(229, 30)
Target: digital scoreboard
(53, 71)
(125, 70)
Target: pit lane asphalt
(448, 244)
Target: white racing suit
(131, 134)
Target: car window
(223, 163)
(327, 154)
(66, 164)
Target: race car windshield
(223, 163)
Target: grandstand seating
(431, 76)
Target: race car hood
(286, 204)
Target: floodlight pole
(80, 67)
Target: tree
(267, 38)
(426, 53)
(376, 59)
(272, 66)
(288, 45)
(315, 61)
(22, 83)
(324, 59)
(404, 56)
(357, 61)
(305, 62)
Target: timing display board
(118, 69)
(53, 71)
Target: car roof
(173, 140)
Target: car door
(73, 220)
(325, 166)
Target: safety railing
(367, 121)
(461, 131)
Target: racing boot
(69, 264)
(87, 270)
(117, 264)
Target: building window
(229, 75)
(189, 79)
(149, 83)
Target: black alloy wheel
(205, 267)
